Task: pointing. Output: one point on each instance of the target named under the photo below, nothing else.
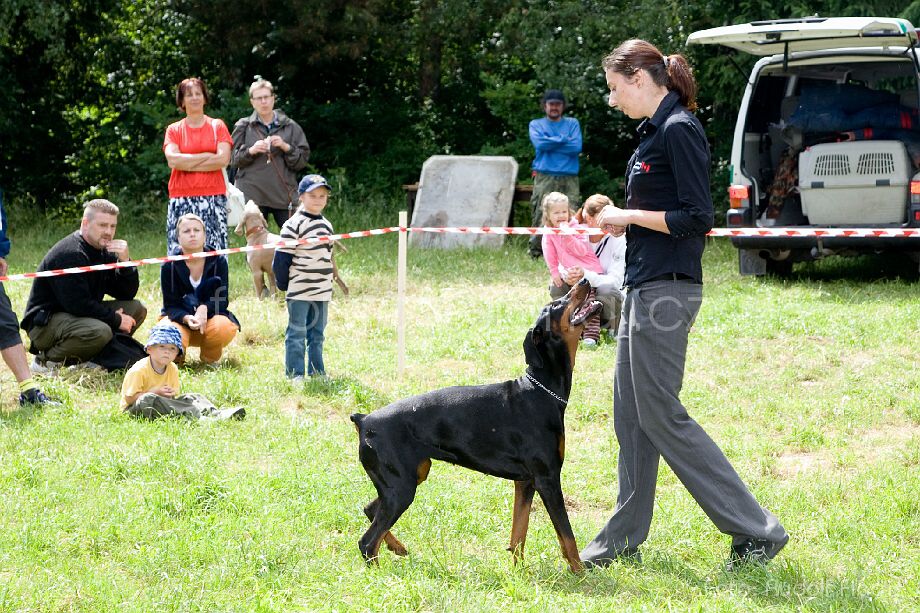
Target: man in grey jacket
(269, 149)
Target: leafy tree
(86, 86)
(43, 47)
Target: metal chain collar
(544, 388)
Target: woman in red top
(197, 149)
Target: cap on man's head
(554, 95)
(165, 334)
(311, 182)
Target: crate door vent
(832, 165)
(875, 163)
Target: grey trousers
(190, 406)
(650, 421)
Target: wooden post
(401, 295)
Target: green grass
(811, 385)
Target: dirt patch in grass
(572, 504)
(868, 447)
(887, 439)
(794, 464)
(291, 408)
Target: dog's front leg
(550, 491)
(520, 518)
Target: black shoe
(630, 555)
(753, 551)
(36, 396)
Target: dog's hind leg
(550, 491)
(258, 282)
(520, 518)
(395, 493)
(391, 541)
(391, 505)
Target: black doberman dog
(514, 430)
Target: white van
(828, 135)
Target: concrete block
(463, 190)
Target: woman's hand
(199, 320)
(557, 280)
(261, 146)
(278, 142)
(574, 274)
(201, 314)
(613, 220)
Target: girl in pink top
(569, 251)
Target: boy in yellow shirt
(151, 386)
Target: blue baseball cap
(165, 334)
(311, 182)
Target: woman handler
(669, 212)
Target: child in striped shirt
(305, 272)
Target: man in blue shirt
(557, 141)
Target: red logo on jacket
(641, 167)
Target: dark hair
(186, 85)
(552, 95)
(671, 71)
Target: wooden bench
(522, 193)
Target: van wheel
(779, 268)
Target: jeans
(306, 323)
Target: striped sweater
(305, 271)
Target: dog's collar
(545, 389)
(254, 229)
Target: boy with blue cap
(305, 272)
(151, 386)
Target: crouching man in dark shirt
(66, 317)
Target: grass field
(811, 385)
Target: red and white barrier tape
(819, 232)
(173, 258)
(790, 232)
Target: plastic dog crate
(855, 183)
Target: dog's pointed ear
(239, 227)
(532, 342)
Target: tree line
(87, 86)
